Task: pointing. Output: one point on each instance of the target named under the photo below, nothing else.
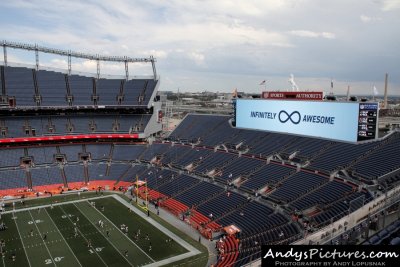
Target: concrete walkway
(187, 229)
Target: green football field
(69, 234)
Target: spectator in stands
(281, 234)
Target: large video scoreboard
(344, 121)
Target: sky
(220, 45)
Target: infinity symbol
(289, 117)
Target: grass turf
(25, 236)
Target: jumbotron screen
(344, 121)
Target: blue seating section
(340, 155)
(63, 125)
(81, 88)
(272, 144)
(220, 132)
(340, 208)
(132, 91)
(269, 174)
(260, 217)
(390, 235)
(19, 83)
(97, 171)
(11, 179)
(71, 152)
(327, 194)
(382, 160)
(152, 151)
(11, 157)
(99, 151)
(306, 147)
(37, 124)
(174, 153)
(42, 155)
(74, 173)
(220, 205)
(213, 161)
(127, 152)
(108, 91)
(116, 171)
(297, 185)
(193, 126)
(192, 156)
(134, 171)
(53, 88)
(156, 177)
(198, 194)
(240, 166)
(46, 176)
(177, 184)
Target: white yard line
(54, 204)
(192, 250)
(157, 225)
(103, 234)
(40, 236)
(63, 237)
(23, 246)
(125, 235)
(83, 236)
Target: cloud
(367, 19)
(389, 5)
(311, 34)
(226, 38)
(197, 57)
(160, 54)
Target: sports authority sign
(293, 95)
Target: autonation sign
(332, 120)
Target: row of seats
(322, 155)
(381, 161)
(71, 124)
(297, 185)
(48, 175)
(29, 87)
(390, 235)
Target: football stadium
(88, 174)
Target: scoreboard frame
(342, 121)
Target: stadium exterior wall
(153, 95)
(154, 125)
